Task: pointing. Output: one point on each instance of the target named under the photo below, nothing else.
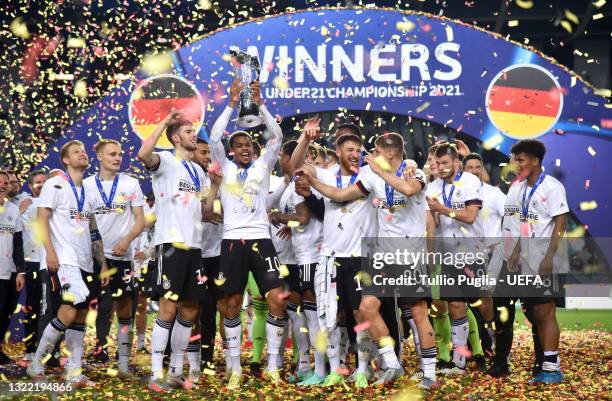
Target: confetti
(526, 4)
(493, 141)
(571, 16)
(404, 26)
(361, 327)
(588, 205)
(383, 163)
(283, 271)
(156, 63)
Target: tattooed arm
(97, 250)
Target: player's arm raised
(217, 151)
(311, 132)
(146, 153)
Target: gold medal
(392, 209)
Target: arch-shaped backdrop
(399, 62)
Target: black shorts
(51, 298)
(307, 274)
(459, 291)
(179, 275)
(121, 283)
(238, 257)
(210, 267)
(551, 290)
(145, 283)
(294, 278)
(349, 288)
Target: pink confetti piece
(362, 326)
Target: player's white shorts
(73, 286)
(325, 291)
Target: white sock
(429, 356)
(140, 341)
(460, 331)
(228, 361)
(275, 327)
(552, 361)
(194, 355)
(51, 335)
(159, 341)
(181, 332)
(280, 359)
(363, 351)
(233, 330)
(417, 341)
(333, 349)
(310, 310)
(388, 355)
(124, 345)
(74, 337)
(298, 328)
(375, 355)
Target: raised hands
(235, 89)
(312, 129)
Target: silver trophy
(247, 69)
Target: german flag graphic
(154, 98)
(524, 102)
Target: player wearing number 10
(246, 244)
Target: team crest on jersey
(166, 284)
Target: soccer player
(177, 184)
(144, 270)
(12, 265)
(343, 226)
(306, 236)
(542, 203)
(201, 350)
(331, 159)
(118, 206)
(31, 250)
(13, 194)
(456, 197)
(246, 244)
(71, 240)
(401, 215)
(490, 219)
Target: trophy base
(249, 121)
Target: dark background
(34, 109)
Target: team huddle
(220, 227)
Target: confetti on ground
(585, 376)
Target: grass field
(575, 319)
(586, 359)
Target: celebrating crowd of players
(223, 223)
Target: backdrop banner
(414, 64)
